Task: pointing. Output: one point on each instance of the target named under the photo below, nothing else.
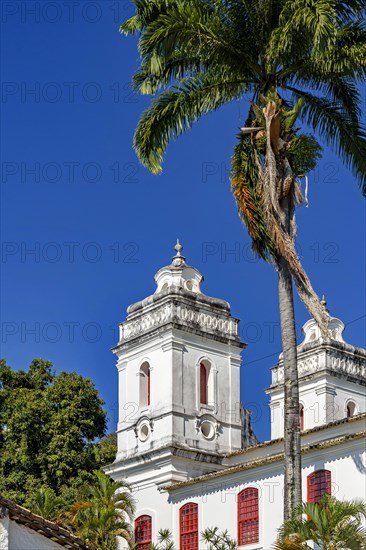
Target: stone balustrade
(333, 360)
(181, 313)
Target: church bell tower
(332, 379)
(178, 360)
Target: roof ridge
(26, 517)
(263, 461)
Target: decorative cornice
(168, 450)
(189, 315)
(264, 461)
(320, 428)
(171, 345)
(326, 390)
(334, 359)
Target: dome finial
(324, 303)
(178, 248)
(178, 259)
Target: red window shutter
(203, 384)
(248, 516)
(301, 418)
(319, 483)
(148, 387)
(188, 524)
(143, 532)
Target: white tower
(332, 379)
(179, 380)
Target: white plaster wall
(349, 391)
(217, 499)
(4, 533)
(149, 501)
(324, 400)
(174, 403)
(22, 538)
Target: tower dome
(178, 275)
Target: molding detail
(335, 360)
(182, 314)
(325, 389)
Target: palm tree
(289, 60)
(331, 524)
(165, 541)
(103, 513)
(217, 540)
(45, 503)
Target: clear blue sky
(100, 225)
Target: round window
(190, 285)
(207, 429)
(144, 432)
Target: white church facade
(184, 440)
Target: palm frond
(131, 26)
(330, 522)
(302, 22)
(174, 112)
(345, 135)
(244, 181)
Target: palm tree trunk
(279, 200)
(292, 445)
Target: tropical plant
(46, 504)
(289, 60)
(103, 512)
(217, 540)
(165, 541)
(330, 523)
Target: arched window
(301, 418)
(145, 384)
(351, 409)
(143, 532)
(203, 384)
(248, 516)
(319, 483)
(188, 525)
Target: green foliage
(102, 513)
(46, 504)
(331, 524)
(289, 117)
(175, 110)
(165, 541)
(209, 52)
(244, 179)
(48, 425)
(303, 153)
(106, 449)
(217, 540)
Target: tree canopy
(50, 425)
(200, 54)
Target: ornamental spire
(178, 260)
(324, 303)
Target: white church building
(184, 440)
